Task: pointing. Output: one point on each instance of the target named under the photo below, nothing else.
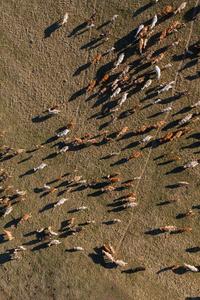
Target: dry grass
(38, 72)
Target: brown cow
(166, 11)
(158, 58)
(167, 137)
(176, 23)
(162, 36)
(177, 135)
(99, 56)
(104, 78)
(143, 32)
(148, 56)
(136, 155)
(90, 87)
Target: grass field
(43, 64)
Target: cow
(65, 18)
(158, 58)
(54, 242)
(162, 36)
(181, 7)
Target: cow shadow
(40, 247)
(91, 43)
(6, 257)
(82, 68)
(52, 28)
(29, 172)
(193, 250)
(78, 28)
(47, 207)
(154, 232)
(77, 94)
(191, 13)
(41, 119)
(13, 222)
(98, 258)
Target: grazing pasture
(99, 163)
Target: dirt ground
(43, 64)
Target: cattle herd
(114, 86)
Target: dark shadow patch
(119, 162)
(13, 222)
(193, 250)
(180, 271)
(154, 232)
(77, 94)
(50, 140)
(95, 194)
(163, 203)
(5, 257)
(170, 125)
(82, 68)
(52, 28)
(91, 43)
(163, 270)
(77, 29)
(117, 209)
(192, 298)
(72, 211)
(98, 258)
(30, 172)
(183, 110)
(172, 186)
(108, 223)
(50, 156)
(3, 238)
(39, 247)
(191, 13)
(47, 207)
(41, 119)
(37, 190)
(175, 170)
(180, 216)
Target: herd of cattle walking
(112, 89)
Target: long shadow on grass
(180, 216)
(30, 172)
(163, 270)
(170, 125)
(98, 258)
(77, 94)
(41, 119)
(172, 186)
(47, 207)
(52, 28)
(193, 250)
(191, 146)
(192, 298)
(163, 203)
(175, 170)
(179, 270)
(78, 28)
(82, 68)
(117, 209)
(91, 43)
(191, 13)
(5, 257)
(154, 232)
(183, 110)
(39, 247)
(13, 222)
(131, 271)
